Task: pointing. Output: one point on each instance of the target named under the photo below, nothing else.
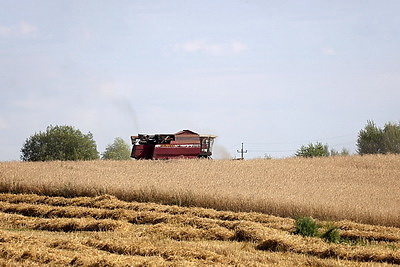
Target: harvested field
(40, 230)
(104, 213)
(358, 188)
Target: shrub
(311, 150)
(331, 234)
(306, 226)
(344, 152)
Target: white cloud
(191, 46)
(21, 29)
(215, 49)
(26, 28)
(329, 51)
(238, 47)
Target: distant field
(104, 231)
(361, 189)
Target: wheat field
(362, 189)
(104, 231)
(199, 212)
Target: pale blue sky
(272, 74)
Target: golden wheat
(362, 189)
(105, 231)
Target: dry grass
(105, 231)
(361, 189)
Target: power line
(297, 142)
(287, 147)
(265, 150)
(342, 144)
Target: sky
(273, 75)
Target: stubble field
(104, 213)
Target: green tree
(118, 150)
(59, 143)
(391, 138)
(374, 140)
(370, 139)
(313, 150)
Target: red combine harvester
(183, 144)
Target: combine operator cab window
(207, 143)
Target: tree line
(370, 140)
(68, 143)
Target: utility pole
(241, 151)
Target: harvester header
(183, 144)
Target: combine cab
(183, 144)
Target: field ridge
(105, 229)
